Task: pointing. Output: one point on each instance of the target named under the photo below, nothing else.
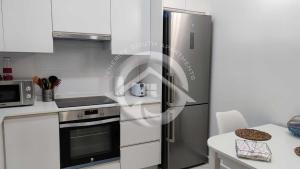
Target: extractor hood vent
(81, 36)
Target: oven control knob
(28, 89)
(28, 96)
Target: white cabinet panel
(130, 27)
(198, 5)
(1, 30)
(27, 25)
(32, 142)
(146, 129)
(141, 156)
(82, 16)
(178, 4)
(110, 165)
(140, 111)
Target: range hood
(81, 36)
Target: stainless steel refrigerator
(187, 40)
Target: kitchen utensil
(36, 80)
(48, 95)
(52, 80)
(45, 84)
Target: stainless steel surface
(191, 130)
(88, 114)
(81, 36)
(93, 123)
(190, 35)
(26, 91)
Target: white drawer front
(140, 131)
(141, 156)
(140, 111)
(112, 165)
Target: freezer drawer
(188, 146)
(140, 131)
(141, 156)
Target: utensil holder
(48, 95)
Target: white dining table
(282, 145)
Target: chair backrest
(230, 121)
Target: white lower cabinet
(112, 165)
(140, 111)
(140, 131)
(141, 156)
(32, 142)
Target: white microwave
(16, 93)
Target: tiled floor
(205, 166)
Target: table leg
(214, 160)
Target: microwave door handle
(85, 124)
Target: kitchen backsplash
(83, 66)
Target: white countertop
(50, 107)
(282, 147)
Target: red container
(7, 69)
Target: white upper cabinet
(27, 25)
(179, 4)
(81, 16)
(202, 6)
(130, 27)
(1, 30)
(32, 142)
(198, 5)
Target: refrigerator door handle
(171, 131)
(171, 92)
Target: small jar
(7, 69)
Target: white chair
(227, 122)
(230, 121)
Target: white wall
(82, 66)
(256, 60)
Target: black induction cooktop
(83, 101)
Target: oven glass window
(90, 141)
(9, 93)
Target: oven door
(85, 142)
(10, 94)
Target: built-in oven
(89, 137)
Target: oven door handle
(93, 123)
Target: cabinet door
(81, 16)
(146, 129)
(32, 142)
(141, 156)
(130, 27)
(27, 25)
(178, 4)
(198, 5)
(1, 30)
